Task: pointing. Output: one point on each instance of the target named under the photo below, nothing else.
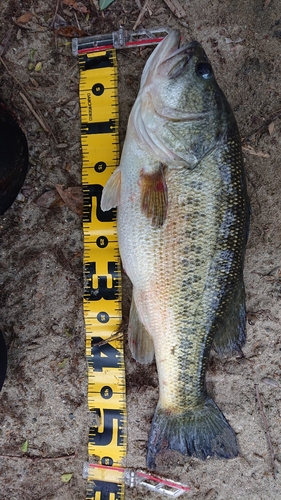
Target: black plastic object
(13, 157)
(13, 169)
(3, 360)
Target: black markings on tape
(98, 89)
(103, 290)
(95, 191)
(105, 437)
(96, 62)
(102, 241)
(106, 392)
(100, 167)
(99, 127)
(103, 356)
(105, 490)
(103, 317)
(107, 461)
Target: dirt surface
(44, 398)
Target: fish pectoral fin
(111, 191)
(154, 196)
(140, 342)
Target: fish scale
(184, 321)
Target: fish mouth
(177, 59)
(169, 59)
(156, 62)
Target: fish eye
(204, 70)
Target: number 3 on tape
(102, 297)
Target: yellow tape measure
(102, 298)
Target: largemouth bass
(182, 228)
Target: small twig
(30, 28)
(267, 432)
(176, 8)
(10, 73)
(31, 108)
(141, 14)
(55, 14)
(263, 126)
(5, 42)
(249, 149)
(77, 22)
(114, 336)
(26, 457)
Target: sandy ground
(44, 399)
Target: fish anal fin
(111, 191)
(154, 196)
(140, 342)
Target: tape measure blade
(98, 92)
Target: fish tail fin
(202, 433)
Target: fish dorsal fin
(111, 191)
(154, 196)
(140, 342)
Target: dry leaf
(77, 6)
(38, 66)
(270, 128)
(66, 477)
(62, 364)
(105, 3)
(50, 199)
(72, 197)
(24, 446)
(251, 150)
(59, 22)
(25, 18)
(70, 32)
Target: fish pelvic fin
(202, 433)
(111, 191)
(154, 196)
(140, 342)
